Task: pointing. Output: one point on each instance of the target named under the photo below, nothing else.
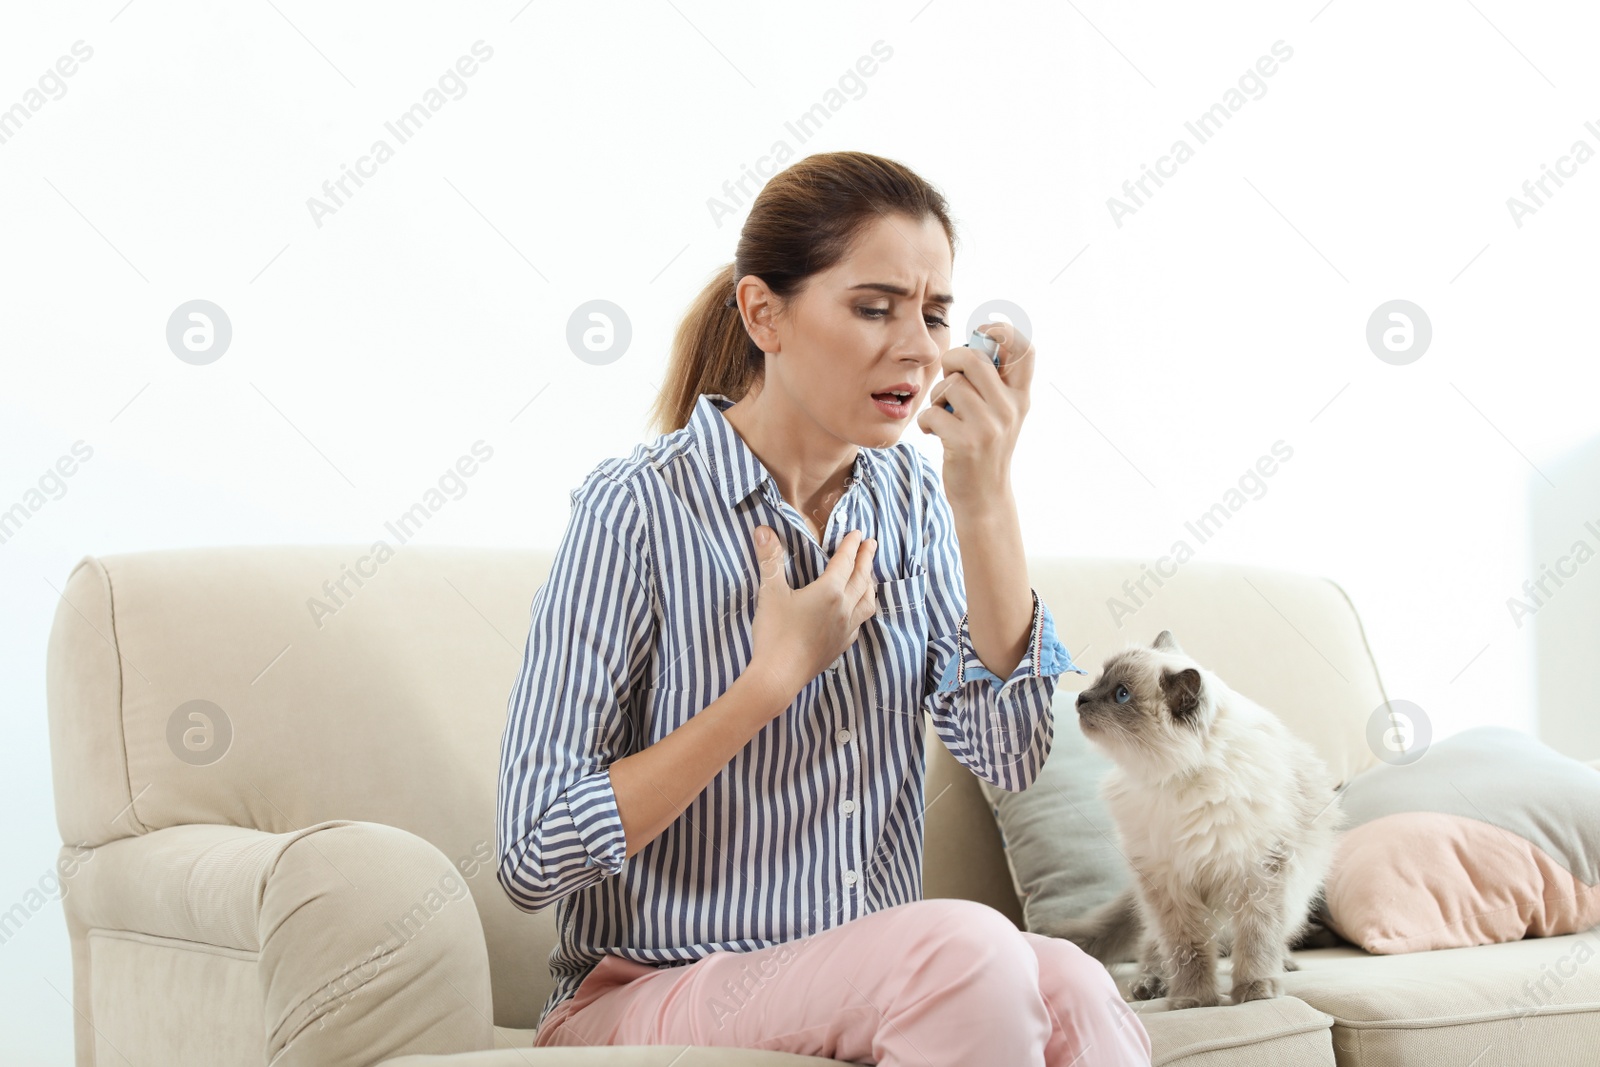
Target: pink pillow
(1489, 836)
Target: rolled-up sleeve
(589, 636)
(1001, 730)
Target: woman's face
(876, 321)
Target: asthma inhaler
(981, 340)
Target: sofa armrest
(367, 941)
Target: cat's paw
(1289, 964)
(1204, 1000)
(1257, 989)
(1148, 987)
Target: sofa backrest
(332, 685)
(1291, 642)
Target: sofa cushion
(1490, 836)
(1534, 1001)
(1280, 1033)
(1530, 1001)
(1283, 1032)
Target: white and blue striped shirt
(645, 619)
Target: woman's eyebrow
(883, 287)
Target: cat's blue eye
(1122, 694)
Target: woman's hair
(804, 221)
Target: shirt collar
(735, 468)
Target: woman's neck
(809, 466)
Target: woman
(713, 759)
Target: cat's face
(1148, 711)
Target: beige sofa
(324, 892)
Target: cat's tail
(1111, 933)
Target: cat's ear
(1165, 640)
(1182, 690)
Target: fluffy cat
(1228, 820)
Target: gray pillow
(1060, 841)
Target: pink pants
(928, 983)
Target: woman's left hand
(980, 435)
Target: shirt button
(836, 664)
(848, 806)
(849, 877)
(842, 736)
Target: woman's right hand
(797, 633)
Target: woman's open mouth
(896, 402)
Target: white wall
(1564, 598)
(1228, 313)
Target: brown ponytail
(802, 222)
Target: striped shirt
(645, 619)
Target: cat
(1228, 820)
